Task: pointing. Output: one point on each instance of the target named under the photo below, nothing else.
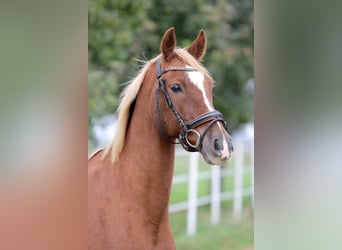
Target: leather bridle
(187, 129)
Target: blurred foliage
(121, 31)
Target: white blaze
(225, 150)
(198, 80)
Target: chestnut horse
(129, 182)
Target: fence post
(215, 194)
(238, 180)
(252, 172)
(192, 194)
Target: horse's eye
(176, 88)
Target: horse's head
(184, 100)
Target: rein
(186, 128)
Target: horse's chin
(211, 159)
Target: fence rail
(238, 170)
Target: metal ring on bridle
(198, 139)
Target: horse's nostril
(218, 146)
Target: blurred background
(210, 207)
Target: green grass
(228, 234)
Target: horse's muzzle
(217, 148)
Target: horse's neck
(147, 154)
(148, 162)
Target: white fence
(243, 149)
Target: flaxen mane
(128, 96)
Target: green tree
(116, 35)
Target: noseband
(187, 129)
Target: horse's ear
(198, 47)
(168, 43)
